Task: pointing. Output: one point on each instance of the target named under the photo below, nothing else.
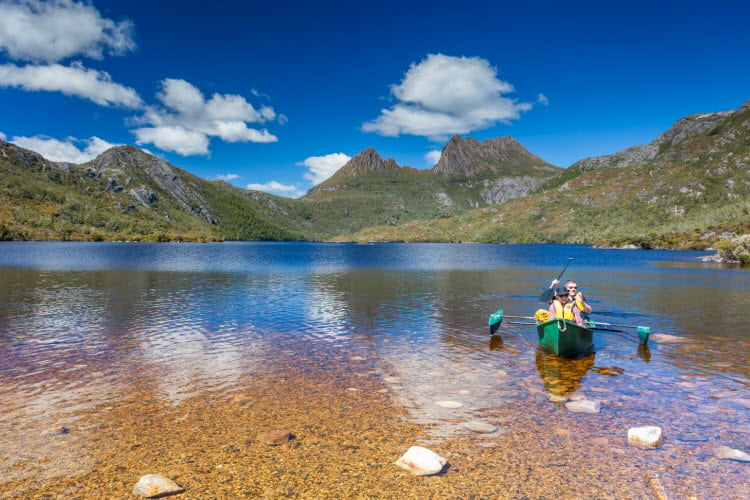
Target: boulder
(155, 486)
(648, 436)
(421, 461)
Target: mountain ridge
(692, 179)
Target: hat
(561, 290)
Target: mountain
(125, 194)
(688, 188)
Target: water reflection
(192, 319)
(562, 376)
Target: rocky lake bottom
(351, 417)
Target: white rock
(449, 404)
(727, 453)
(154, 485)
(584, 406)
(421, 461)
(648, 436)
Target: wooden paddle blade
(547, 295)
(495, 320)
(643, 333)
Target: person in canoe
(575, 295)
(563, 307)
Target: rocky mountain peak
(501, 155)
(368, 161)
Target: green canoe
(564, 337)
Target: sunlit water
(81, 324)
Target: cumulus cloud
(321, 168)
(445, 95)
(186, 120)
(275, 187)
(64, 151)
(433, 157)
(50, 31)
(227, 177)
(74, 80)
(542, 99)
(2, 136)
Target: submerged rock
(449, 404)
(154, 486)
(727, 453)
(480, 427)
(421, 461)
(584, 406)
(648, 436)
(663, 338)
(275, 437)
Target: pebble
(154, 485)
(449, 404)
(275, 437)
(727, 453)
(421, 461)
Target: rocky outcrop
(500, 190)
(128, 167)
(681, 131)
(491, 157)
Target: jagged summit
(499, 156)
(367, 161)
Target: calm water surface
(82, 322)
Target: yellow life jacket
(564, 311)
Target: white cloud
(64, 151)
(38, 31)
(433, 157)
(227, 177)
(178, 139)
(444, 95)
(321, 168)
(2, 136)
(275, 187)
(542, 99)
(187, 120)
(75, 80)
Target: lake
(113, 354)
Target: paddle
(547, 295)
(643, 331)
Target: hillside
(684, 189)
(687, 188)
(123, 194)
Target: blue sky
(277, 95)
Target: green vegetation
(695, 193)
